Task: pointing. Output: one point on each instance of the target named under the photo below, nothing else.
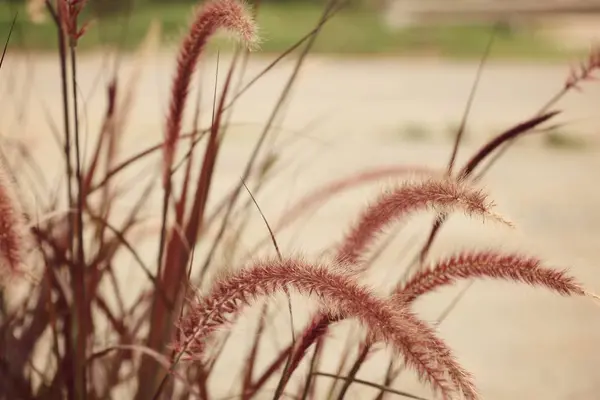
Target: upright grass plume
(584, 71)
(233, 16)
(340, 295)
(440, 194)
(228, 14)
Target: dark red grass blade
(315, 331)
(371, 384)
(480, 156)
(117, 322)
(390, 375)
(189, 159)
(142, 154)
(264, 218)
(281, 385)
(115, 231)
(259, 144)
(327, 191)
(176, 253)
(270, 370)
(13, 384)
(10, 31)
(73, 361)
(196, 217)
(251, 359)
(41, 315)
(341, 365)
(108, 116)
(309, 388)
(314, 32)
(510, 134)
(360, 359)
(463, 123)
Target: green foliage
(283, 22)
(111, 7)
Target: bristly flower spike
(340, 295)
(231, 15)
(585, 70)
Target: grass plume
(439, 194)
(226, 14)
(488, 264)
(339, 295)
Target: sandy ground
(347, 115)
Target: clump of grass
(443, 194)
(162, 343)
(340, 296)
(215, 15)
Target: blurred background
(453, 28)
(387, 83)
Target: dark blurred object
(507, 26)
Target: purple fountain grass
(73, 286)
(316, 330)
(228, 14)
(339, 295)
(473, 265)
(584, 71)
(487, 264)
(483, 153)
(442, 195)
(231, 15)
(69, 13)
(14, 235)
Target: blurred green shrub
(109, 7)
(352, 3)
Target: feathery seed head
(487, 264)
(13, 231)
(231, 15)
(584, 71)
(340, 295)
(442, 194)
